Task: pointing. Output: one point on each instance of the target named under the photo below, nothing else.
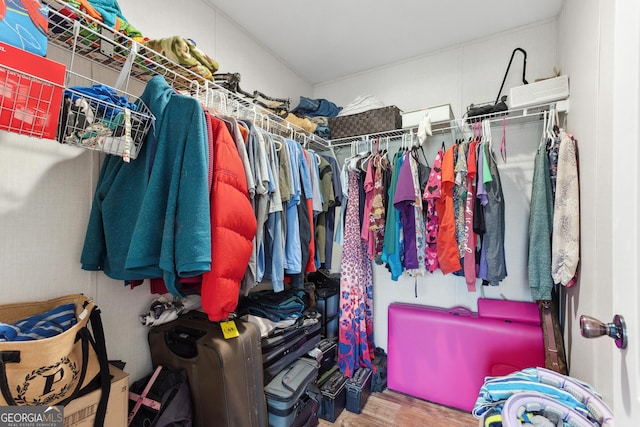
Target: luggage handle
(182, 341)
(291, 374)
(334, 381)
(360, 374)
(314, 393)
(460, 310)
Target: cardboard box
(31, 90)
(81, 412)
(25, 25)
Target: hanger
(486, 134)
(349, 161)
(544, 131)
(277, 142)
(367, 156)
(503, 141)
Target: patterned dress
(378, 214)
(356, 345)
(432, 192)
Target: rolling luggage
(283, 346)
(225, 375)
(291, 392)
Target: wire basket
(99, 117)
(29, 105)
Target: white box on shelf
(439, 115)
(541, 92)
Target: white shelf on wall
(511, 117)
(89, 38)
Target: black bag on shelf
(475, 113)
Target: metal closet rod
(524, 114)
(267, 117)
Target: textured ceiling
(327, 39)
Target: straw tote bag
(55, 370)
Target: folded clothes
(185, 53)
(105, 95)
(39, 326)
(105, 11)
(301, 122)
(361, 104)
(315, 108)
(109, 10)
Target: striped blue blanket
(38, 326)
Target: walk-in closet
(412, 197)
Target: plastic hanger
(544, 131)
(503, 141)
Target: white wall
(460, 75)
(464, 74)
(586, 43)
(46, 188)
(220, 38)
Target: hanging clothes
(392, 248)
(404, 201)
(460, 196)
(328, 200)
(331, 211)
(273, 247)
(448, 253)
(293, 247)
(307, 221)
(233, 228)
(418, 216)
(479, 226)
(132, 230)
(378, 210)
(258, 163)
(493, 242)
(433, 192)
(469, 261)
(366, 232)
(356, 344)
(565, 246)
(540, 225)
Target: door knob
(591, 327)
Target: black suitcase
(334, 396)
(225, 375)
(309, 410)
(281, 348)
(358, 390)
(326, 354)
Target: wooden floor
(395, 409)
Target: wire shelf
(513, 116)
(74, 31)
(99, 117)
(29, 105)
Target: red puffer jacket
(233, 226)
